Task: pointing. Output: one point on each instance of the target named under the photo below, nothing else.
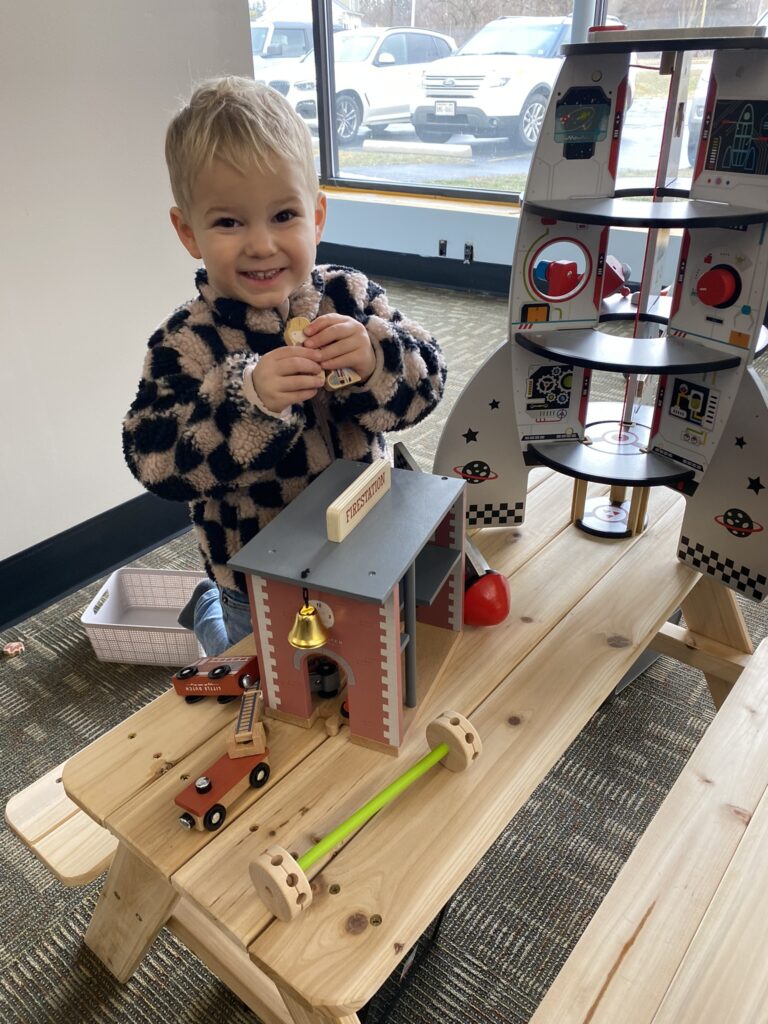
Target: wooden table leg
(712, 610)
(300, 1014)
(134, 904)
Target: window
(455, 102)
(258, 38)
(291, 42)
(393, 46)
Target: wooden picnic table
(583, 609)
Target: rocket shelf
(628, 213)
(588, 347)
(637, 469)
(647, 41)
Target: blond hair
(244, 123)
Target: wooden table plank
(149, 823)
(723, 976)
(129, 759)
(39, 808)
(340, 776)
(135, 754)
(139, 806)
(402, 871)
(229, 962)
(624, 963)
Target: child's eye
(225, 222)
(285, 215)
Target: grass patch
(370, 158)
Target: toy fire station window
(535, 313)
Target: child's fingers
(298, 364)
(302, 381)
(292, 397)
(335, 354)
(321, 323)
(334, 332)
(285, 354)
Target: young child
(228, 417)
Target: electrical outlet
(469, 252)
(442, 247)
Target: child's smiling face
(256, 233)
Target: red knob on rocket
(719, 286)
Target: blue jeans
(222, 617)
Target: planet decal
(475, 472)
(738, 523)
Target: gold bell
(307, 631)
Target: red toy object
(205, 801)
(486, 591)
(718, 287)
(556, 277)
(486, 600)
(217, 677)
(615, 277)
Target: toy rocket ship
(707, 431)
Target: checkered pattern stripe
(495, 515)
(724, 569)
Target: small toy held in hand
(334, 379)
(294, 330)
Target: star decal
(494, 403)
(740, 442)
(471, 435)
(755, 485)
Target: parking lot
(397, 155)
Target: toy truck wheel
(259, 775)
(280, 883)
(187, 672)
(246, 681)
(460, 735)
(194, 698)
(219, 671)
(214, 817)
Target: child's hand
(287, 375)
(341, 342)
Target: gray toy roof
(373, 557)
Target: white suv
(497, 85)
(377, 71)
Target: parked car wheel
(431, 134)
(530, 120)
(349, 115)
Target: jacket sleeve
(410, 372)
(191, 432)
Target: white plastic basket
(133, 618)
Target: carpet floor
(512, 923)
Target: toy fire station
(365, 569)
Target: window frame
(585, 13)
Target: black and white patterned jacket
(192, 434)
